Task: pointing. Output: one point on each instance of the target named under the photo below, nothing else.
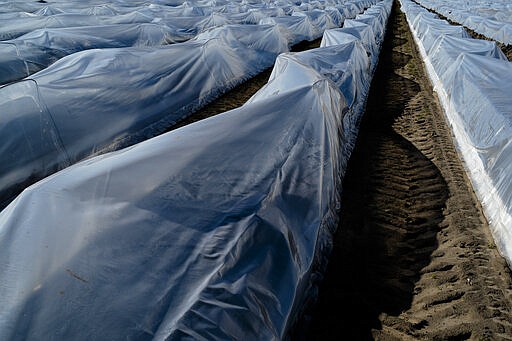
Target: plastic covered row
(254, 16)
(214, 240)
(368, 28)
(311, 25)
(365, 35)
(109, 98)
(472, 79)
(38, 49)
(491, 19)
(346, 65)
(72, 6)
(13, 28)
(217, 230)
(208, 244)
(300, 27)
(180, 7)
(192, 24)
(446, 49)
(429, 28)
(351, 30)
(22, 56)
(319, 18)
(196, 21)
(100, 100)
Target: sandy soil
(413, 257)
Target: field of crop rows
(120, 219)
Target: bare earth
(413, 256)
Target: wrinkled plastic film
(30, 144)
(221, 232)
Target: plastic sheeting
(320, 19)
(254, 16)
(225, 218)
(194, 15)
(480, 97)
(368, 28)
(310, 25)
(491, 19)
(472, 79)
(447, 48)
(374, 22)
(59, 30)
(428, 29)
(216, 230)
(350, 31)
(336, 14)
(106, 99)
(102, 100)
(14, 28)
(300, 27)
(36, 50)
(262, 38)
(363, 68)
(346, 65)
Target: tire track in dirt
(413, 257)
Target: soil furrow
(413, 257)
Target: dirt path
(413, 257)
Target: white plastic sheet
(106, 99)
(363, 34)
(447, 48)
(375, 23)
(428, 29)
(14, 28)
(346, 65)
(491, 19)
(319, 18)
(58, 30)
(480, 99)
(351, 30)
(216, 230)
(38, 49)
(358, 30)
(215, 236)
(300, 27)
